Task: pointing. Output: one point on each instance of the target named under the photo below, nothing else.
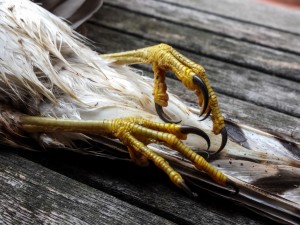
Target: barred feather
(47, 69)
(74, 11)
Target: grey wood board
(147, 188)
(227, 27)
(235, 109)
(257, 12)
(33, 194)
(151, 200)
(205, 43)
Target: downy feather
(47, 69)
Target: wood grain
(33, 194)
(218, 24)
(248, 11)
(229, 78)
(235, 100)
(147, 188)
(251, 53)
(247, 55)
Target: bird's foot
(136, 134)
(164, 58)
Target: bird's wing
(253, 159)
(74, 11)
(266, 170)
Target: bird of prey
(52, 82)
(55, 90)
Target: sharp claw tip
(202, 86)
(223, 142)
(204, 152)
(201, 113)
(186, 189)
(232, 185)
(207, 115)
(197, 131)
(224, 138)
(160, 112)
(208, 147)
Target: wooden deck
(251, 52)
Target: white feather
(46, 63)
(46, 69)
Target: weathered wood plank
(256, 89)
(245, 54)
(147, 188)
(228, 79)
(128, 184)
(256, 12)
(226, 27)
(32, 194)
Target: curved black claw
(197, 80)
(204, 154)
(232, 185)
(207, 115)
(197, 131)
(224, 140)
(187, 190)
(162, 115)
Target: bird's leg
(162, 57)
(136, 134)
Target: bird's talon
(207, 115)
(224, 138)
(223, 142)
(160, 112)
(164, 58)
(232, 186)
(197, 131)
(187, 190)
(204, 154)
(136, 133)
(202, 87)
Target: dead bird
(56, 90)
(50, 75)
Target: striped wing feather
(46, 69)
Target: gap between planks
(147, 188)
(218, 47)
(31, 194)
(113, 41)
(227, 27)
(255, 12)
(232, 80)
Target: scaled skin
(135, 133)
(163, 57)
(48, 71)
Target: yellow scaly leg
(135, 133)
